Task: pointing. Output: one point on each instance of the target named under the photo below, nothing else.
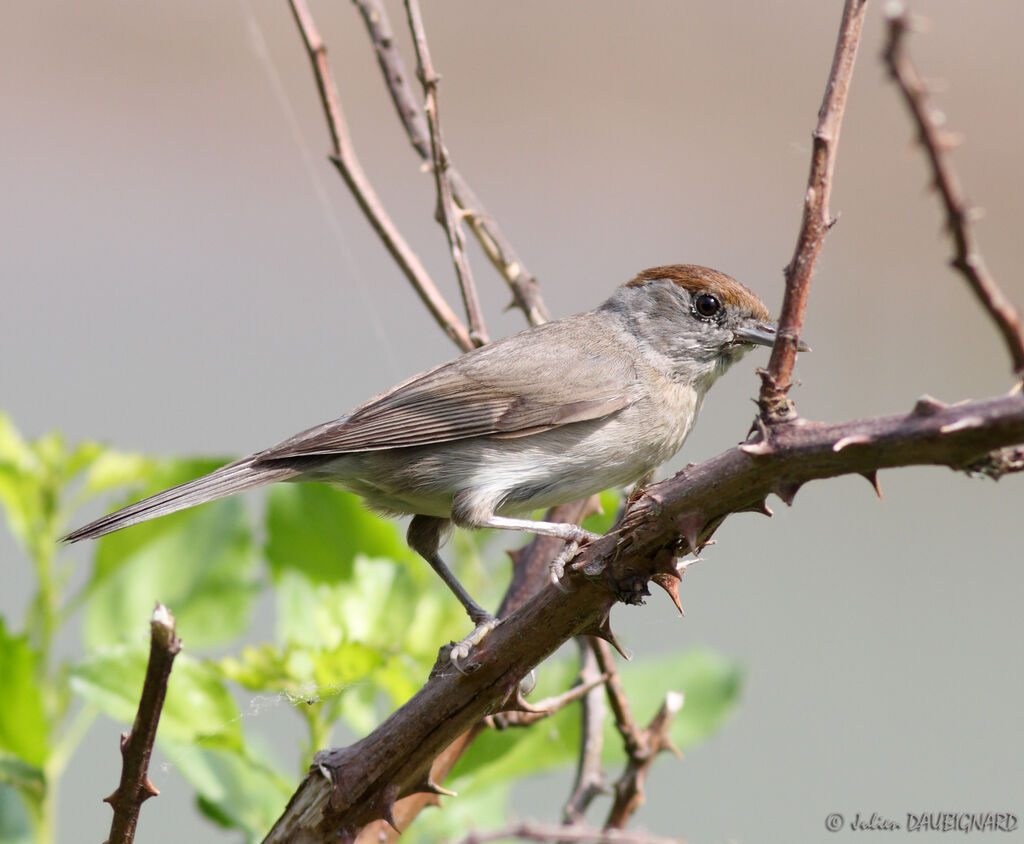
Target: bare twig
(447, 214)
(344, 158)
(525, 290)
(641, 746)
(776, 380)
(575, 834)
(936, 143)
(629, 787)
(590, 779)
(137, 744)
(624, 720)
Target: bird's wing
(504, 390)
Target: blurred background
(183, 272)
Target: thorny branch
(350, 787)
(137, 744)
(641, 746)
(816, 221)
(447, 214)
(936, 143)
(344, 158)
(525, 291)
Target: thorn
(962, 424)
(124, 741)
(872, 478)
(514, 554)
(603, 630)
(787, 490)
(113, 797)
(853, 439)
(759, 507)
(664, 562)
(149, 790)
(667, 744)
(690, 525)
(386, 806)
(927, 406)
(670, 583)
(428, 786)
(757, 449)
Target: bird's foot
(460, 650)
(556, 568)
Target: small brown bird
(552, 414)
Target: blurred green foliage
(357, 623)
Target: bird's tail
(227, 480)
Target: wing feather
(474, 396)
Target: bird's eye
(706, 305)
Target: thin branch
(641, 745)
(590, 780)
(576, 834)
(350, 787)
(624, 720)
(629, 787)
(525, 290)
(937, 143)
(447, 215)
(776, 380)
(344, 158)
(521, 713)
(137, 744)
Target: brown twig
(524, 287)
(575, 834)
(624, 720)
(345, 160)
(642, 746)
(447, 214)
(137, 744)
(936, 143)
(351, 787)
(590, 780)
(816, 221)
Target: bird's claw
(556, 569)
(460, 650)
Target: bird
(551, 414)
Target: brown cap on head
(703, 279)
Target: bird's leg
(573, 535)
(424, 537)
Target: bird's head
(696, 320)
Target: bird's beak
(762, 334)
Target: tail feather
(227, 480)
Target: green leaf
(198, 707)
(23, 725)
(201, 563)
(318, 530)
(234, 789)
